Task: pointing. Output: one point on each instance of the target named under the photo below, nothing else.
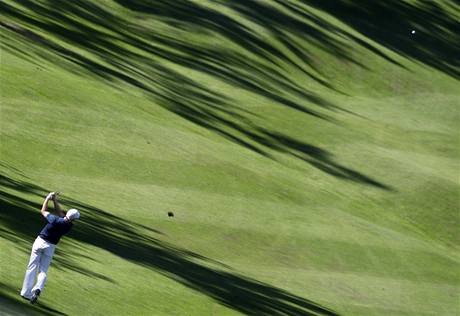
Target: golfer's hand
(50, 196)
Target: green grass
(309, 152)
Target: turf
(309, 151)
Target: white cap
(72, 214)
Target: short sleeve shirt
(55, 229)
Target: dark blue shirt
(56, 227)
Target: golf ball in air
(413, 32)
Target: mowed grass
(312, 165)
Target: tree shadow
(125, 239)
(90, 40)
(318, 158)
(12, 304)
(436, 42)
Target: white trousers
(40, 259)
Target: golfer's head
(72, 214)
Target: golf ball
(413, 32)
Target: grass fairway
(309, 151)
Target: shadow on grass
(125, 239)
(12, 304)
(436, 42)
(148, 47)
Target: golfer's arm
(44, 209)
(58, 208)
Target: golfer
(44, 245)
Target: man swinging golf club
(44, 246)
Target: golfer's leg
(31, 271)
(44, 264)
